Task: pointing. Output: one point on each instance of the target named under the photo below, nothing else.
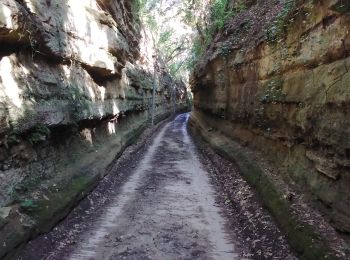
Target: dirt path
(165, 211)
(158, 203)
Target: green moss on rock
(302, 237)
(273, 91)
(341, 6)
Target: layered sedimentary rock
(76, 82)
(277, 78)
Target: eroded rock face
(278, 79)
(76, 81)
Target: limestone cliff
(76, 83)
(277, 79)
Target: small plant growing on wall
(39, 133)
(28, 205)
(273, 91)
(277, 29)
(78, 102)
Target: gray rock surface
(75, 90)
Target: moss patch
(49, 211)
(273, 91)
(41, 214)
(302, 237)
(341, 7)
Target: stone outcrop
(277, 79)
(76, 82)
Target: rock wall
(277, 79)
(76, 82)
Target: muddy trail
(163, 201)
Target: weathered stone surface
(288, 96)
(324, 165)
(75, 90)
(10, 22)
(76, 30)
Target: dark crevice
(327, 21)
(100, 76)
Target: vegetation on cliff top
(182, 30)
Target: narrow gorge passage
(97, 161)
(165, 210)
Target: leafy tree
(200, 19)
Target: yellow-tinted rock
(288, 97)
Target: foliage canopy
(183, 30)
